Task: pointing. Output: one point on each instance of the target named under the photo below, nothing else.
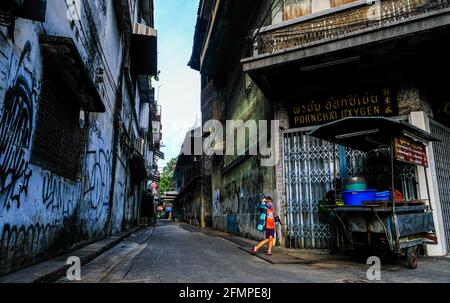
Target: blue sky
(179, 93)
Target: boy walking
(267, 224)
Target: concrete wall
(236, 188)
(189, 205)
(42, 214)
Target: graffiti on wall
(15, 138)
(17, 242)
(216, 203)
(58, 196)
(118, 211)
(240, 200)
(16, 122)
(242, 195)
(99, 182)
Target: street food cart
(384, 223)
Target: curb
(51, 270)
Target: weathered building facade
(309, 62)
(192, 182)
(76, 142)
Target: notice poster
(409, 151)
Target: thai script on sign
(406, 150)
(381, 103)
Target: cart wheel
(412, 258)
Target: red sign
(409, 151)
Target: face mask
(269, 204)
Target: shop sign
(409, 151)
(320, 111)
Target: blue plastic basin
(383, 196)
(357, 197)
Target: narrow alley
(224, 141)
(178, 253)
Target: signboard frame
(404, 146)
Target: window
(59, 140)
(298, 8)
(295, 8)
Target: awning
(144, 48)
(159, 154)
(367, 133)
(62, 57)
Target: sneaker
(254, 251)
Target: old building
(308, 62)
(76, 106)
(192, 182)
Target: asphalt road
(168, 253)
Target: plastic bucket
(357, 197)
(356, 186)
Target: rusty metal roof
(367, 133)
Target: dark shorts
(269, 233)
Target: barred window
(59, 141)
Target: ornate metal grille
(350, 21)
(442, 164)
(309, 172)
(58, 142)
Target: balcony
(339, 23)
(359, 36)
